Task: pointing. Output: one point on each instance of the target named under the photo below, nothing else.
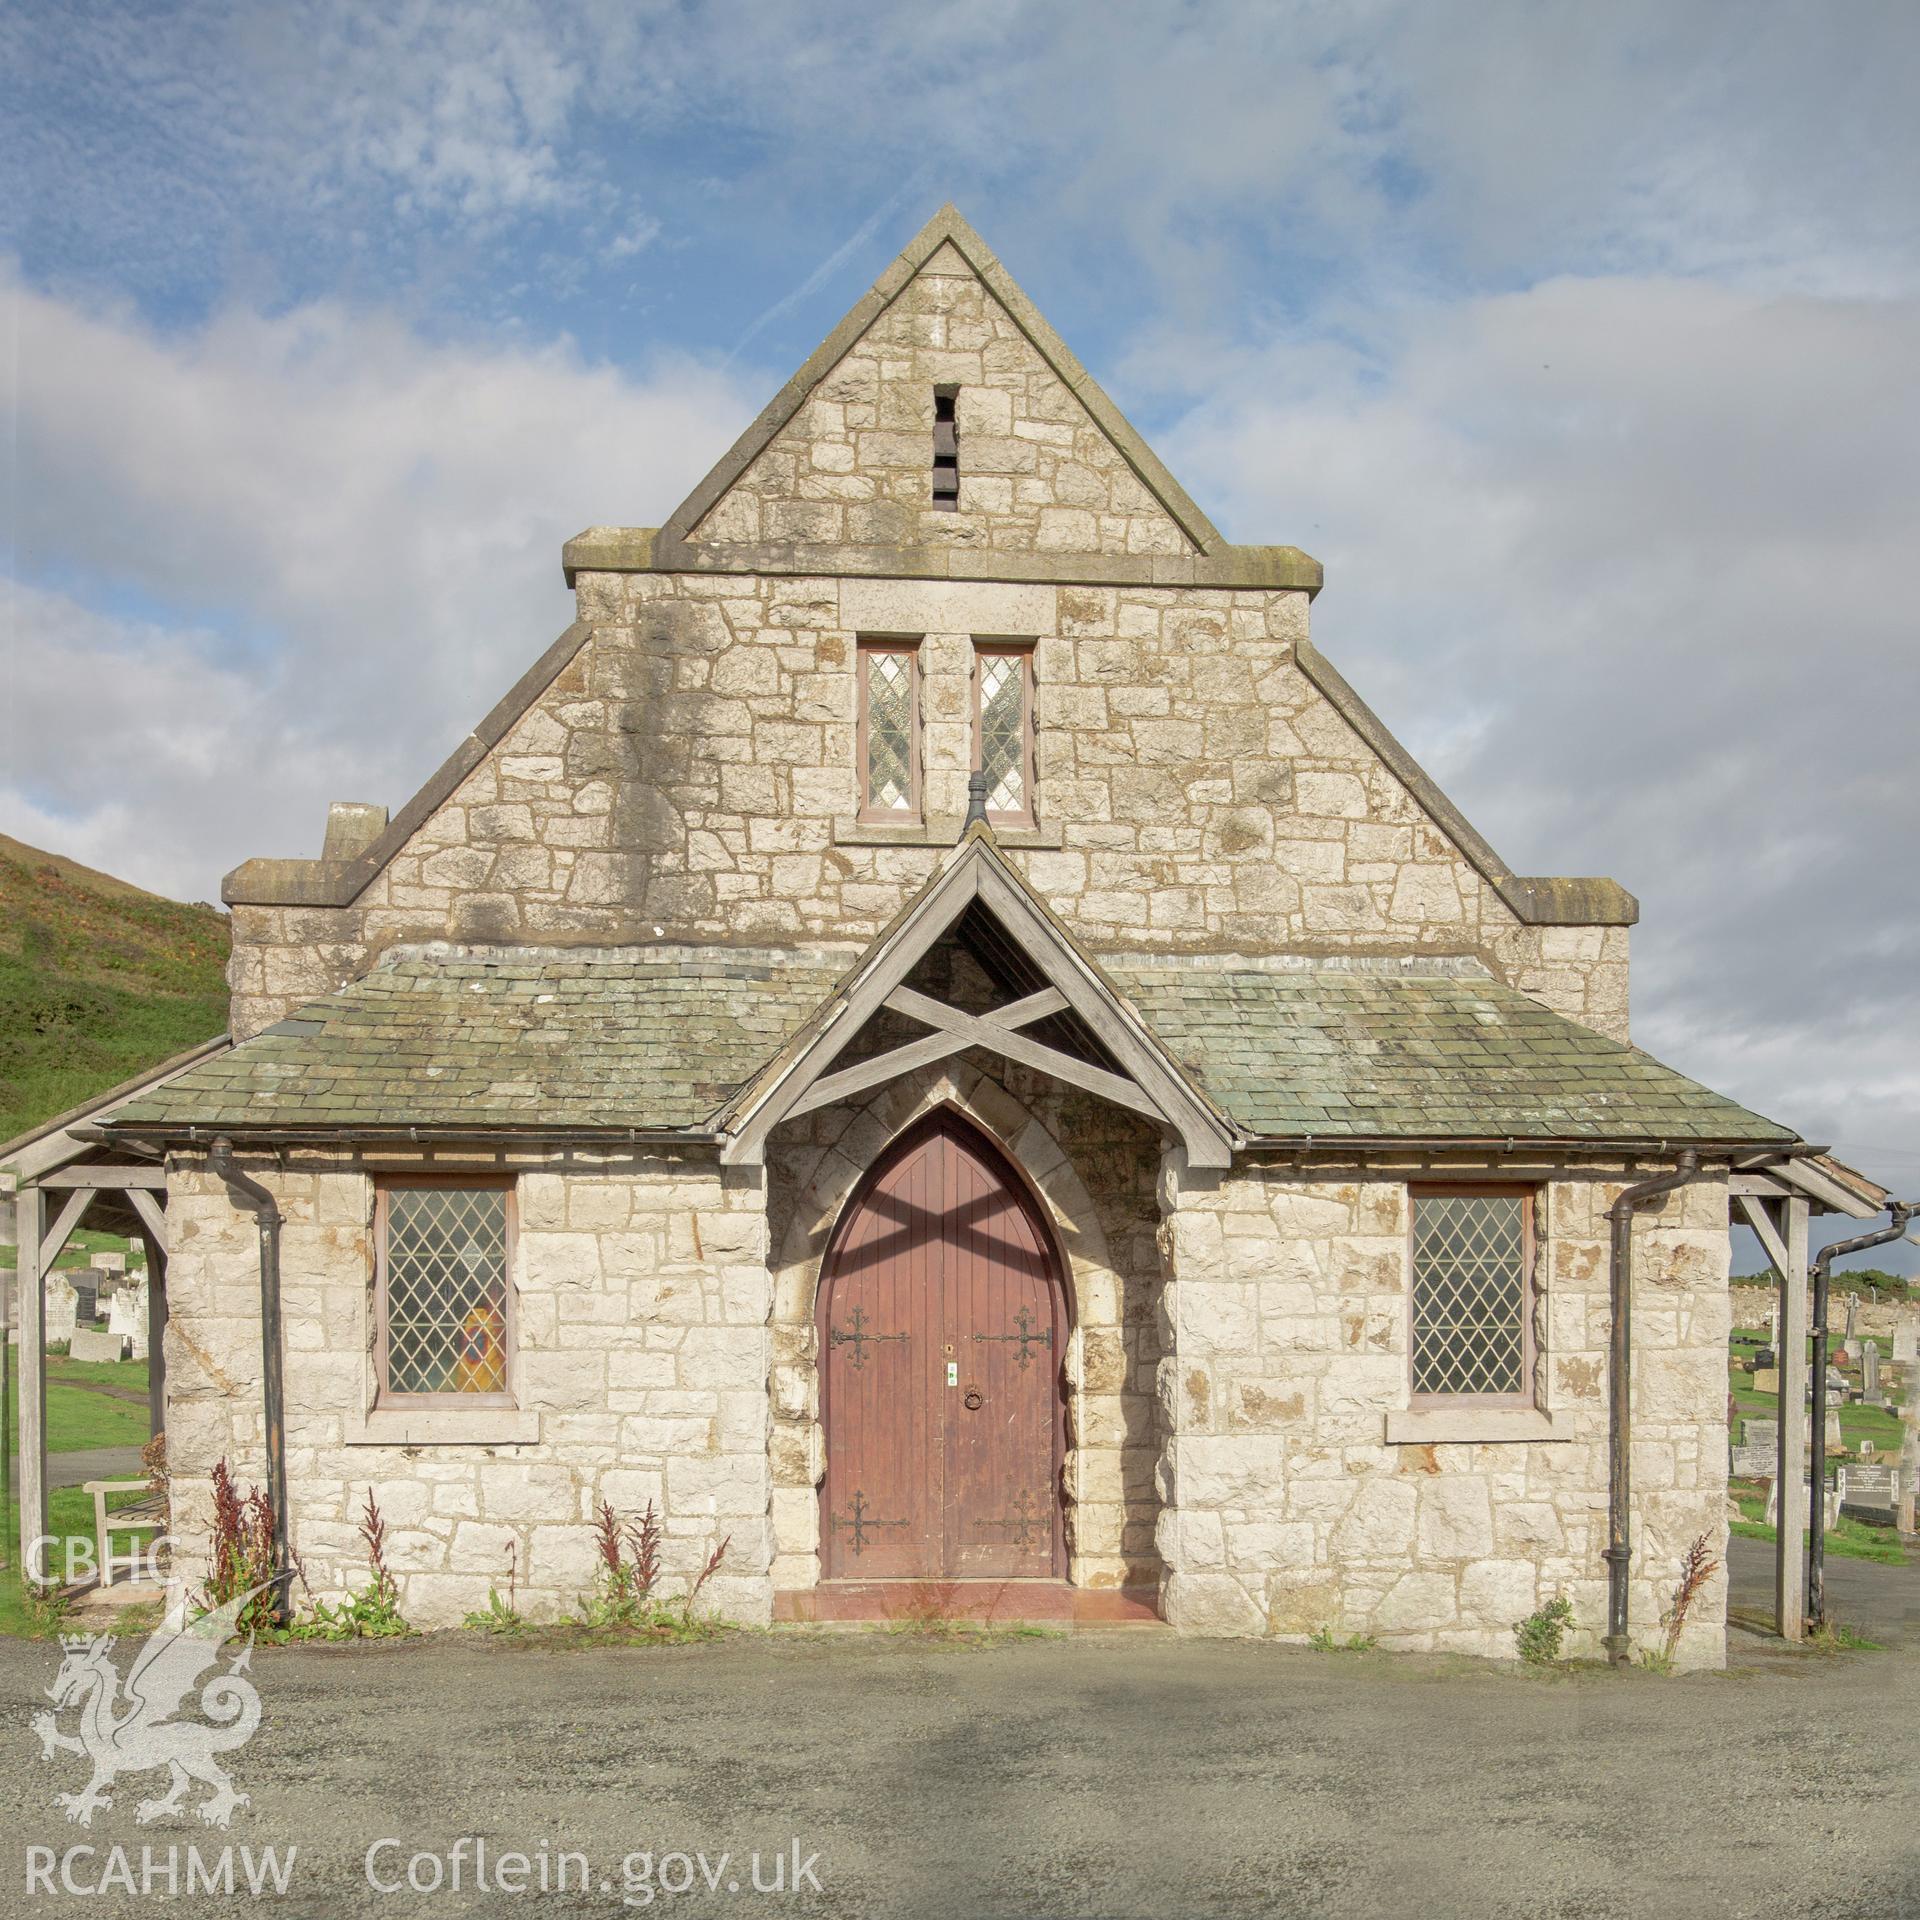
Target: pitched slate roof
(518, 1038)
(659, 1040)
(1364, 1053)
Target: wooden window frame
(865, 648)
(1023, 651)
(384, 1186)
(1530, 1196)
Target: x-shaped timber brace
(953, 1032)
(1150, 1083)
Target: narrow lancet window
(889, 730)
(1003, 730)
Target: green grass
(82, 1244)
(69, 1516)
(1849, 1538)
(76, 1418)
(98, 981)
(1881, 1425)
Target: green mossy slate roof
(639, 1040)
(1333, 1051)
(659, 1040)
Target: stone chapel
(933, 1037)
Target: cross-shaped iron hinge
(1026, 1336)
(858, 1526)
(858, 1338)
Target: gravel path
(1115, 1773)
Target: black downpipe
(1902, 1212)
(1619, 1549)
(251, 1193)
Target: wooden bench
(148, 1515)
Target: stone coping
(1256, 569)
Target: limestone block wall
(640, 1374)
(691, 774)
(1094, 1168)
(1288, 1511)
(855, 464)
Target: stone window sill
(1475, 1426)
(936, 833)
(443, 1427)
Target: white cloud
(1626, 561)
(343, 543)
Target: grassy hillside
(98, 980)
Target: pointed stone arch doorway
(942, 1320)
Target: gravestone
(1762, 1433)
(59, 1309)
(1870, 1375)
(1766, 1380)
(98, 1346)
(1869, 1489)
(86, 1300)
(1764, 1357)
(1754, 1463)
(109, 1262)
(1831, 1503)
(1834, 1441)
(1906, 1343)
(127, 1315)
(1773, 1332)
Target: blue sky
(1577, 342)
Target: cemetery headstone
(1762, 1433)
(1754, 1463)
(1906, 1343)
(88, 1345)
(1872, 1489)
(1766, 1380)
(1830, 1505)
(1834, 1441)
(86, 1300)
(110, 1262)
(1765, 1357)
(1870, 1375)
(1773, 1330)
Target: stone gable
(690, 774)
(1038, 473)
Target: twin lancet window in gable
(1473, 1295)
(888, 738)
(442, 1294)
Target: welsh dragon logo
(137, 1728)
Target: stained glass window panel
(889, 731)
(1469, 1294)
(446, 1290)
(1003, 731)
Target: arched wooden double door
(942, 1326)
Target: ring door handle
(975, 1400)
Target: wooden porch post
(156, 1335)
(1790, 1566)
(29, 1225)
(7, 1239)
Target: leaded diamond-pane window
(445, 1274)
(889, 732)
(1470, 1293)
(1003, 733)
